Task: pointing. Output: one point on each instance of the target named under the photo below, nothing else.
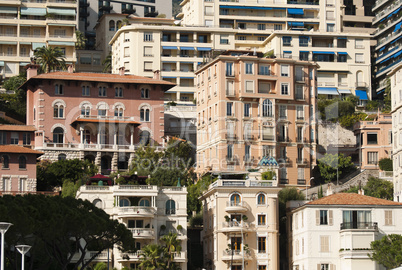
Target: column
(81, 137)
(115, 140)
(98, 161)
(115, 160)
(131, 138)
(98, 137)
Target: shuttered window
(388, 217)
(324, 243)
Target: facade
(28, 25)
(335, 232)
(388, 51)
(148, 211)
(18, 159)
(100, 117)
(396, 105)
(357, 16)
(250, 107)
(241, 225)
(343, 59)
(374, 140)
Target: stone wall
(333, 133)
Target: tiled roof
(18, 149)
(101, 77)
(351, 199)
(17, 128)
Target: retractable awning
(323, 52)
(61, 43)
(296, 23)
(62, 11)
(8, 10)
(327, 91)
(36, 45)
(169, 47)
(203, 49)
(295, 11)
(342, 53)
(397, 26)
(344, 91)
(187, 48)
(33, 11)
(361, 94)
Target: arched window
(144, 93)
(58, 89)
(235, 200)
(118, 112)
(86, 110)
(62, 157)
(97, 203)
(58, 110)
(102, 110)
(58, 135)
(87, 136)
(5, 160)
(111, 25)
(144, 115)
(124, 202)
(170, 207)
(359, 76)
(22, 160)
(144, 202)
(261, 199)
(267, 108)
(144, 137)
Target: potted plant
(163, 227)
(179, 227)
(227, 218)
(244, 218)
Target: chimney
(329, 190)
(32, 70)
(157, 74)
(122, 71)
(360, 191)
(70, 69)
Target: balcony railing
(248, 137)
(231, 137)
(359, 225)
(283, 139)
(301, 181)
(301, 140)
(284, 181)
(301, 161)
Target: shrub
(268, 175)
(347, 121)
(196, 220)
(385, 164)
(372, 105)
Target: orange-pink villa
(100, 117)
(18, 159)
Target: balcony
(84, 3)
(248, 137)
(283, 139)
(237, 207)
(236, 255)
(387, 175)
(301, 140)
(131, 257)
(301, 181)
(283, 181)
(236, 227)
(135, 211)
(231, 137)
(248, 159)
(301, 161)
(106, 6)
(143, 233)
(372, 226)
(232, 160)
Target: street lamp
(23, 249)
(306, 186)
(3, 229)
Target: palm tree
(172, 246)
(81, 40)
(107, 63)
(152, 257)
(50, 59)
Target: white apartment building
(28, 25)
(396, 106)
(335, 232)
(148, 211)
(343, 59)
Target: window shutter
(318, 267)
(330, 218)
(317, 217)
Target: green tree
(14, 104)
(81, 40)
(152, 257)
(331, 165)
(387, 251)
(172, 245)
(50, 59)
(107, 63)
(376, 187)
(194, 191)
(57, 229)
(386, 164)
(387, 97)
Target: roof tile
(351, 199)
(18, 149)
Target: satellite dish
(177, 22)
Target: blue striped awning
(327, 91)
(8, 42)
(383, 48)
(23, 64)
(304, 51)
(33, 11)
(397, 54)
(268, 161)
(279, 8)
(203, 49)
(287, 51)
(295, 11)
(361, 94)
(296, 23)
(341, 38)
(169, 77)
(385, 60)
(324, 52)
(187, 48)
(342, 53)
(397, 26)
(169, 47)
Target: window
(124, 202)
(229, 69)
(85, 90)
(330, 15)
(144, 137)
(144, 93)
(264, 87)
(264, 70)
(342, 58)
(147, 66)
(112, 26)
(323, 217)
(287, 54)
(58, 89)
(356, 219)
(303, 41)
(300, 112)
(284, 70)
(284, 89)
(247, 150)
(299, 91)
(303, 56)
(388, 217)
(262, 244)
(261, 199)
(282, 112)
(330, 27)
(359, 58)
(268, 133)
(359, 44)
(249, 68)
(62, 157)
(287, 41)
(118, 112)
(277, 26)
(230, 149)
(324, 243)
(323, 266)
(262, 267)
(148, 51)
(247, 109)
(148, 36)
(235, 199)
(14, 137)
(58, 110)
(267, 108)
(372, 158)
(229, 109)
(261, 26)
(144, 202)
(118, 92)
(372, 138)
(58, 135)
(26, 138)
(300, 174)
(224, 39)
(5, 160)
(170, 207)
(249, 86)
(86, 110)
(22, 162)
(145, 115)
(3, 137)
(261, 220)
(102, 91)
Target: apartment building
(28, 25)
(374, 140)
(343, 59)
(250, 107)
(335, 232)
(18, 159)
(92, 10)
(100, 117)
(357, 16)
(241, 225)
(388, 51)
(396, 105)
(150, 212)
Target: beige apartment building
(241, 225)
(250, 107)
(28, 25)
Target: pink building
(100, 117)
(18, 159)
